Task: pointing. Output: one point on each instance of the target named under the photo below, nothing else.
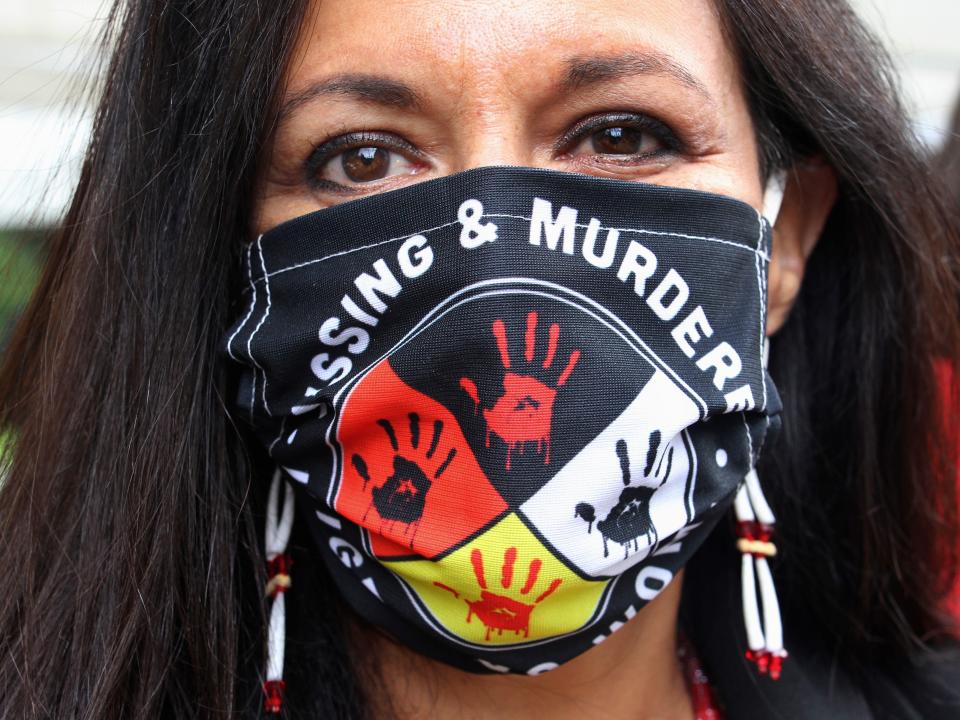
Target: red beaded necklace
(698, 685)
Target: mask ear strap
(276, 536)
(773, 195)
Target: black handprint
(629, 519)
(402, 496)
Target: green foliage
(7, 440)
(21, 254)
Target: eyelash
(634, 121)
(329, 149)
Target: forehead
(507, 47)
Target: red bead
(280, 565)
(273, 696)
(767, 662)
(761, 658)
(754, 530)
(776, 665)
(701, 694)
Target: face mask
(513, 401)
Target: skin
(613, 88)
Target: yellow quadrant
(502, 588)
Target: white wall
(924, 38)
(45, 43)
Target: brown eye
(365, 164)
(360, 162)
(619, 141)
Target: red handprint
(524, 412)
(500, 612)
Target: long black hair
(128, 516)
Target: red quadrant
(409, 475)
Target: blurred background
(48, 46)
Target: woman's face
(385, 93)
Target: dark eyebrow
(365, 88)
(584, 71)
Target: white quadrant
(589, 515)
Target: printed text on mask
(635, 266)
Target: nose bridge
(491, 132)
(490, 120)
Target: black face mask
(513, 401)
